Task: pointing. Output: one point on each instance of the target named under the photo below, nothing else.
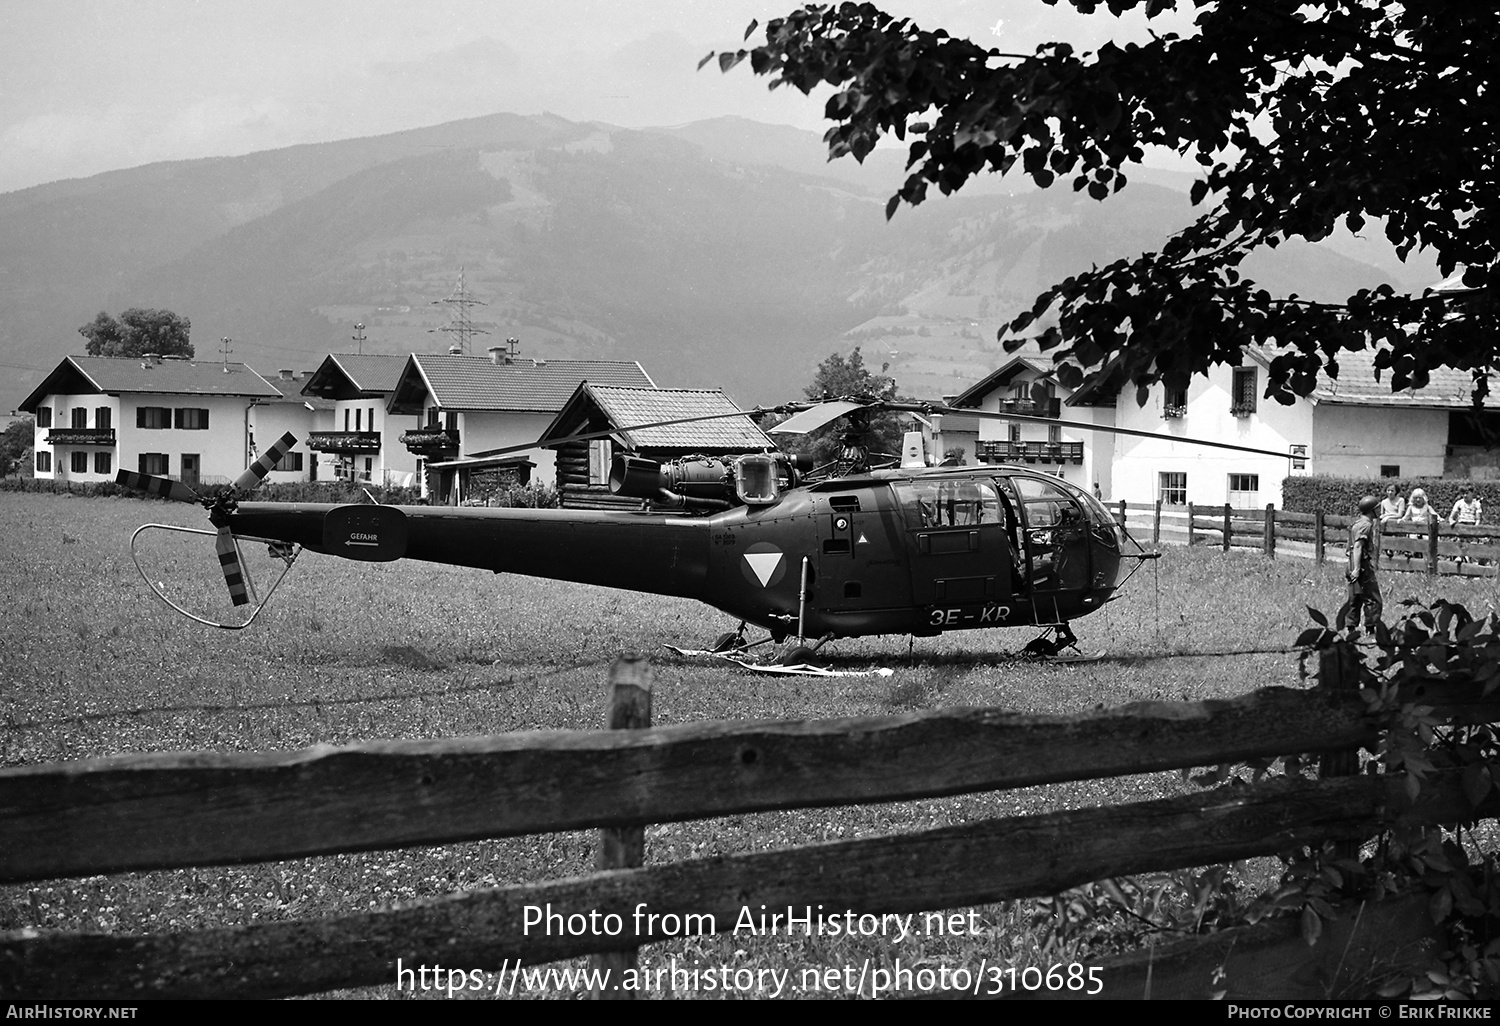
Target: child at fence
(1392, 507)
(1419, 510)
(1466, 510)
(1364, 590)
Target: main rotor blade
(1085, 426)
(823, 413)
(229, 562)
(588, 436)
(257, 471)
(162, 486)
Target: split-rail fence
(1436, 548)
(168, 810)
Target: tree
(15, 445)
(137, 332)
(1301, 114)
(840, 376)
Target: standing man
(1364, 590)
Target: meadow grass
(91, 664)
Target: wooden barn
(583, 466)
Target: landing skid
(1053, 641)
(797, 653)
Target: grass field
(91, 664)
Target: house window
(358, 418)
(1014, 432)
(600, 454)
(1299, 457)
(153, 417)
(346, 420)
(1244, 490)
(369, 469)
(78, 461)
(1390, 470)
(102, 418)
(1245, 392)
(80, 417)
(154, 463)
(292, 462)
(190, 419)
(43, 462)
(1054, 434)
(103, 462)
(1172, 488)
(1174, 403)
(43, 416)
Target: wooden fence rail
(170, 810)
(1438, 548)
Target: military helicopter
(803, 553)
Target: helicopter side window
(934, 504)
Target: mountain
(720, 253)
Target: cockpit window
(948, 503)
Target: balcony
(431, 441)
(344, 441)
(1031, 408)
(80, 436)
(1173, 412)
(1053, 453)
(1242, 409)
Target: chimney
(455, 350)
(286, 374)
(152, 359)
(498, 355)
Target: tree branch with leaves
(1300, 116)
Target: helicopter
(863, 546)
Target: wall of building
(1138, 463)
(394, 464)
(220, 447)
(269, 421)
(1357, 441)
(481, 432)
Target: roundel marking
(763, 564)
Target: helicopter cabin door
(1057, 537)
(960, 558)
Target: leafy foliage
(15, 445)
(841, 375)
(1302, 116)
(1341, 495)
(136, 332)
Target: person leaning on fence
(1419, 510)
(1364, 590)
(1466, 510)
(1392, 507)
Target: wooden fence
(1435, 549)
(156, 811)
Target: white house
(173, 417)
(1025, 385)
(304, 416)
(1353, 426)
(359, 441)
(474, 405)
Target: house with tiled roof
(469, 406)
(304, 416)
(192, 420)
(658, 423)
(1352, 426)
(1026, 384)
(360, 441)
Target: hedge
(1341, 495)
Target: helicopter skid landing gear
(1055, 639)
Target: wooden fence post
(623, 847)
(1227, 514)
(1190, 525)
(1268, 541)
(1338, 671)
(1156, 525)
(1318, 537)
(1432, 543)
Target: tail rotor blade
(162, 486)
(257, 471)
(229, 562)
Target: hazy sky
(94, 85)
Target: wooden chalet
(583, 466)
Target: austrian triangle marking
(763, 564)
(862, 539)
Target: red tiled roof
(99, 374)
(627, 406)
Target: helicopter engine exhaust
(693, 478)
